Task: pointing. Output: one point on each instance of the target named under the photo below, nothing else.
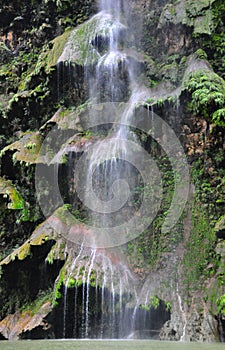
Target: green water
(109, 344)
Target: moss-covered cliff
(177, 50)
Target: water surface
(106, 344)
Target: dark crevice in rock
(69, 318)
(23, 279)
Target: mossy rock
(220, 227)
(40, 236)
(58, 47)
(66, 119)
(173, 13)
(170, 72)
(14, 325)
(9, 190)
(196, 14)
(76, 46)
(200, 15)
(26, 149)
(204, 24)
(56, 252)
(196, 8)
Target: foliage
(43, 297)
(208, 95)
(57, 287)
(221, 304)
(147, 249)
(214, 44)
(71, 283)
(14, 73)
(199, 250)
(154, 303)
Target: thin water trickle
(182, 338)
(65, 312)
(93, 253)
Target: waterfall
(110, 175)
(106, 175)
(91, 311)
(105, 302)
(184, 319)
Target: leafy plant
(154, 301)
(221, 304)
(208, 95)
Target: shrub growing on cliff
(207, 95)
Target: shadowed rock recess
(112, 191)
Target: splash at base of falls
(100, 300)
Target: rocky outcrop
(23, 324)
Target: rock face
(62, 65)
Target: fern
(207, 95)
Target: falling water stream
(113, 81)
(113, 297)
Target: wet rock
(26, 149)
(195, 329)
(20, 324)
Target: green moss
(24, 251)
(69, 216)
(79, 282)
(26, 149)
(58, 47)
(153, 303)
(201, 54)
(43, 299)
(50, 256)
(221, 304)
(8, 190)
(196, 8)
(17, 200)
(199, 250)
(93, 278)
(204, 24)
(200, 16)
(170, 72)
(71, 283)
(220, 225)
(196, 14)
(58, 284)
(75, 46)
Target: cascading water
(91, 311)
(103, 302)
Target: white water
(93, 253)
(117, 285)
(109, 175)
(182, 338)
